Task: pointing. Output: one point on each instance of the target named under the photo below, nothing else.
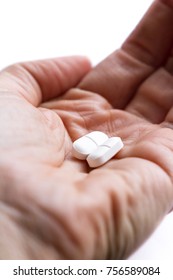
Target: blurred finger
(118, 77)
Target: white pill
(105, 152)
(86, 144)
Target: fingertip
(82, 60)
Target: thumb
(39, 81)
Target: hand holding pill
(62, 208)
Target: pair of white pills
(97, 148)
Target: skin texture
(53, 206)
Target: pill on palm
(105, 152)
(86, 144)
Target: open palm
(54, 206)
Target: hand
(53, 206)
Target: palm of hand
(62, 208)
(112, 198)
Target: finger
(154, 98)
(168, 120)
(168, 2)
(118, 77)
(45, 79)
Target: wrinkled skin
(55, 207)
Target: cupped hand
(54, 206)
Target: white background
(36, 29)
